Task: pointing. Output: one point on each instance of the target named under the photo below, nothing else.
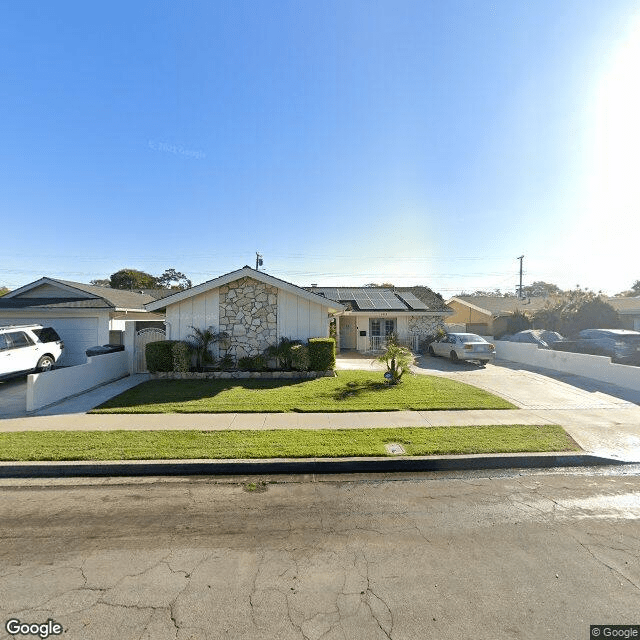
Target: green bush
(257, 363)
(181, 357)
(300, 357)
(159, 355)
(226, 362)
(322, 354)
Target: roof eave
(179, 296)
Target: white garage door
(78, 334)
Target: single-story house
(371, 314)
(83, 315)
(629, 311)
(255, 310)
(488, 315)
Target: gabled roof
(74, 295)
(373, 299)
(624, 305)
(245, 272)
(498, 305)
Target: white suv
(28, 347)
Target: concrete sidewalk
(605, 426)
(612, 433)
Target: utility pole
(258, 260)
(520, 285)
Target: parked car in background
(543, 338)
(100, 350)
(463, 346)
(25, 348)
(621, 345)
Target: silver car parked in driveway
(463, 346)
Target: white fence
(52, 386)
(379, 343)
(595, 367)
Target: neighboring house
(629, 311)
(373, 313)
(488, 315)
(83, 315)
(252, 307)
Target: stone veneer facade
(424, 326)
(249, 314)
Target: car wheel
(454, 356)
(483, 363)
(431, 351)
(45, 363)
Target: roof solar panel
(329, 292)
(345, 294)
(413, 301)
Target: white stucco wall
(52, 386)
(581, 364)
(301, 319)
(201, 311)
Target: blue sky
(349, 142)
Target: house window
(388, 327)
(380, 327)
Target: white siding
(402, 325)
(299, 318)
(201, 311)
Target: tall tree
(541, 288)
(133, 279)
(3, 291)
(170, 276)
(577, 310)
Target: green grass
(349, 391)
(283, 443)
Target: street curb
(298, 466)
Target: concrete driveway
(526, 387)
(13, 397)
(602, 418)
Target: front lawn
(349, 391)
(283, 443)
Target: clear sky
(413, 142)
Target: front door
(347, 332)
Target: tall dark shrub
(160, 355)
(322, 354)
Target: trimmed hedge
(181, 357)
(322, 354)
(160, 355)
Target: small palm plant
(397, 358)
(201, 340)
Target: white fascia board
(392, 312)
(236, 275)
(38, 283)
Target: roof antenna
(258, 260)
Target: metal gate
(143, 338)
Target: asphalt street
(523, 555)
